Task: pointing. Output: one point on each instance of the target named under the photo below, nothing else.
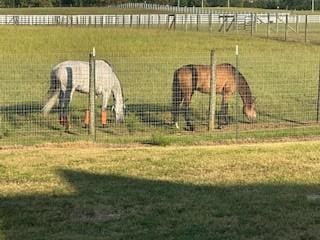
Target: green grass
(283, 77)
(86, 191)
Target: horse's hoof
(189, 128)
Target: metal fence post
(92, 80)
(212, 98)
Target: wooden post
(159, 20)
(286, 29)
(186, 22)
(306, 29)
(236, 23)
(198, 19)
(210, 22)
(237, 77)
(297, 25)
(318, 101)
(255, 23)
(277, 23)
(268, 26)
(212, 98)
(92, 80)
(251, 24)
(224, 23)
(139, 20)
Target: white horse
(70, 76)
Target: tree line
(268, 4)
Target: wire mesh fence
(284, 93)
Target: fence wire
(285, 93)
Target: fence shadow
(117, 207)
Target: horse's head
(119, 110)
(249, 110)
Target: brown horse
(190, 78)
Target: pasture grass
(283, 76)
(91, 191)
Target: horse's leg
(68, 98)
(61, 107)
(224, 109)
(104, 115)
(176, 103)
(187, 114)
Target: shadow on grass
(279, 118)
(151, 114)
(116, 207)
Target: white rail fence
(153, 19)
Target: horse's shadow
(280, 118)
(149, 114)
(157, 115)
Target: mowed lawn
(87, 191)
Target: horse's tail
(176, 96)
(53, 93)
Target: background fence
(280, 26)
(287, 93)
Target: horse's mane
(107, 62)
(242, 86)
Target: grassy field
(283, 77)
(85, 191)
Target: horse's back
(82, 67)
(78, 73)
(198, 77)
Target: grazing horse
(190, 78)
(70, 76)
